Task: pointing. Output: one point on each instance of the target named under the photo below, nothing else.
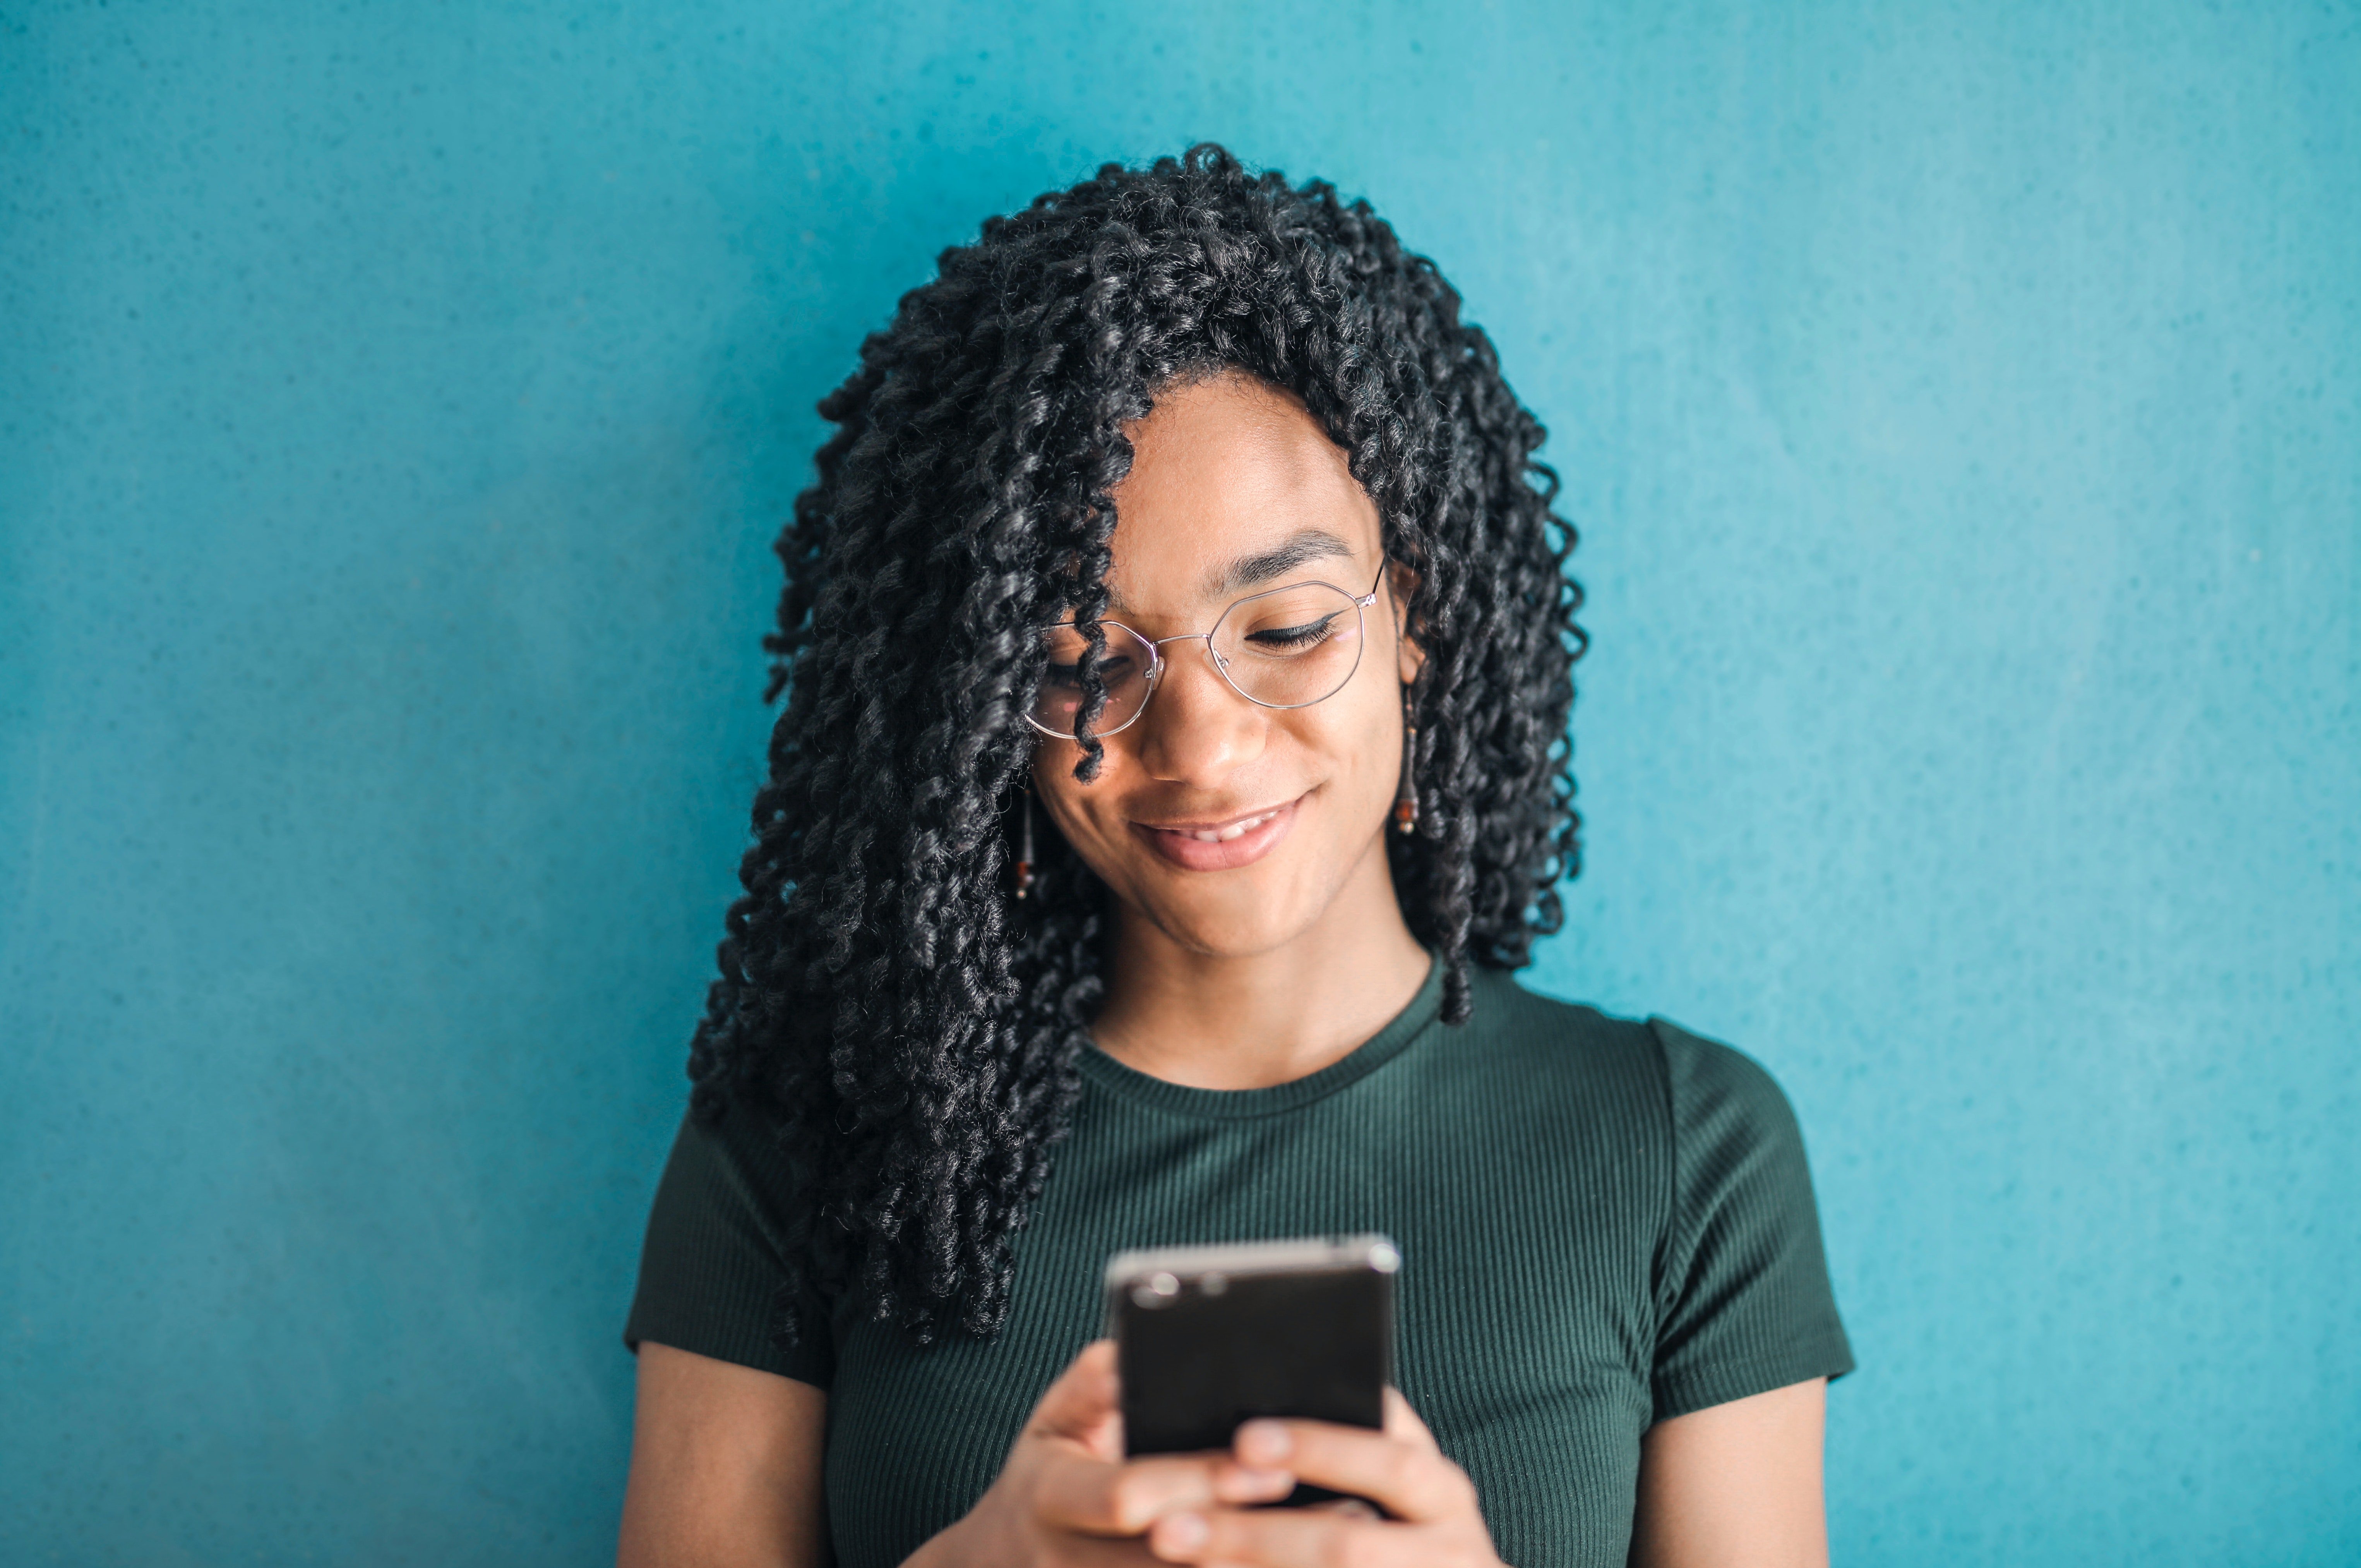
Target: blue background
(1962, 406)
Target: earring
(1024, 878)
(1406, 796)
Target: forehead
(1232, 478)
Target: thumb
(1082, 1400)
(1401, 1422)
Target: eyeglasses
(1287, 647)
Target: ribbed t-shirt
(1603, 1224)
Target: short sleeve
(712, 1267)
(1742, 1290)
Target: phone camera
(1156, 1290)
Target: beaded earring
(1023, 878)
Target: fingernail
(1182, 1532)
(1264, 1443)
(1249, 1481)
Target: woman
(1177, 657)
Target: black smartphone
(1208, 1337)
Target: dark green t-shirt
(1603, 1224)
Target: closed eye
(1113, 673)
(1294, 638)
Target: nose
(1198, 730)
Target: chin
(1241, 923)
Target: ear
(1409, 658)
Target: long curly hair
(911, 1031)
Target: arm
(1735, 1486)
(725, 1467)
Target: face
(1230, 827)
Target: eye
(1293, 638)
(1113, 671)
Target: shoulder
(1533, 1059)
(1693, 1085)
(732, 1161)
(725, 1237)
(1728, 1116)
(1543, 1032)
(1705, 1075)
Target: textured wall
(1962, 405)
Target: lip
(1176, 843)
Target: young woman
(1179, 656)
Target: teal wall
(1962, 403)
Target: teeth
(1224, 835)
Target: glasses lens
(1292, 646)
(1122, 671)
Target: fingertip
(1403, 1419)
(1178, 1537)
(1093, 1365)
(1084, 1392)
(1263, 1443)
(1235, 1482)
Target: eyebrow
(1300, 548)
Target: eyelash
(1110, 672)
(1289, 638)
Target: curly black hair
(908, 1028)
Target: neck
(1248, 1021)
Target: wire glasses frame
(1282, 648)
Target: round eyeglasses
(1287, 647)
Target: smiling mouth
(1223, 833)
(1219, 846)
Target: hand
(1066, 1495)
(1435, 1522)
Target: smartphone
(1208, 1337)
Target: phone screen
(1210, 1337)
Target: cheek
(1084, 814)
(1355, 744)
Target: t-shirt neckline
(1363, 1060)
